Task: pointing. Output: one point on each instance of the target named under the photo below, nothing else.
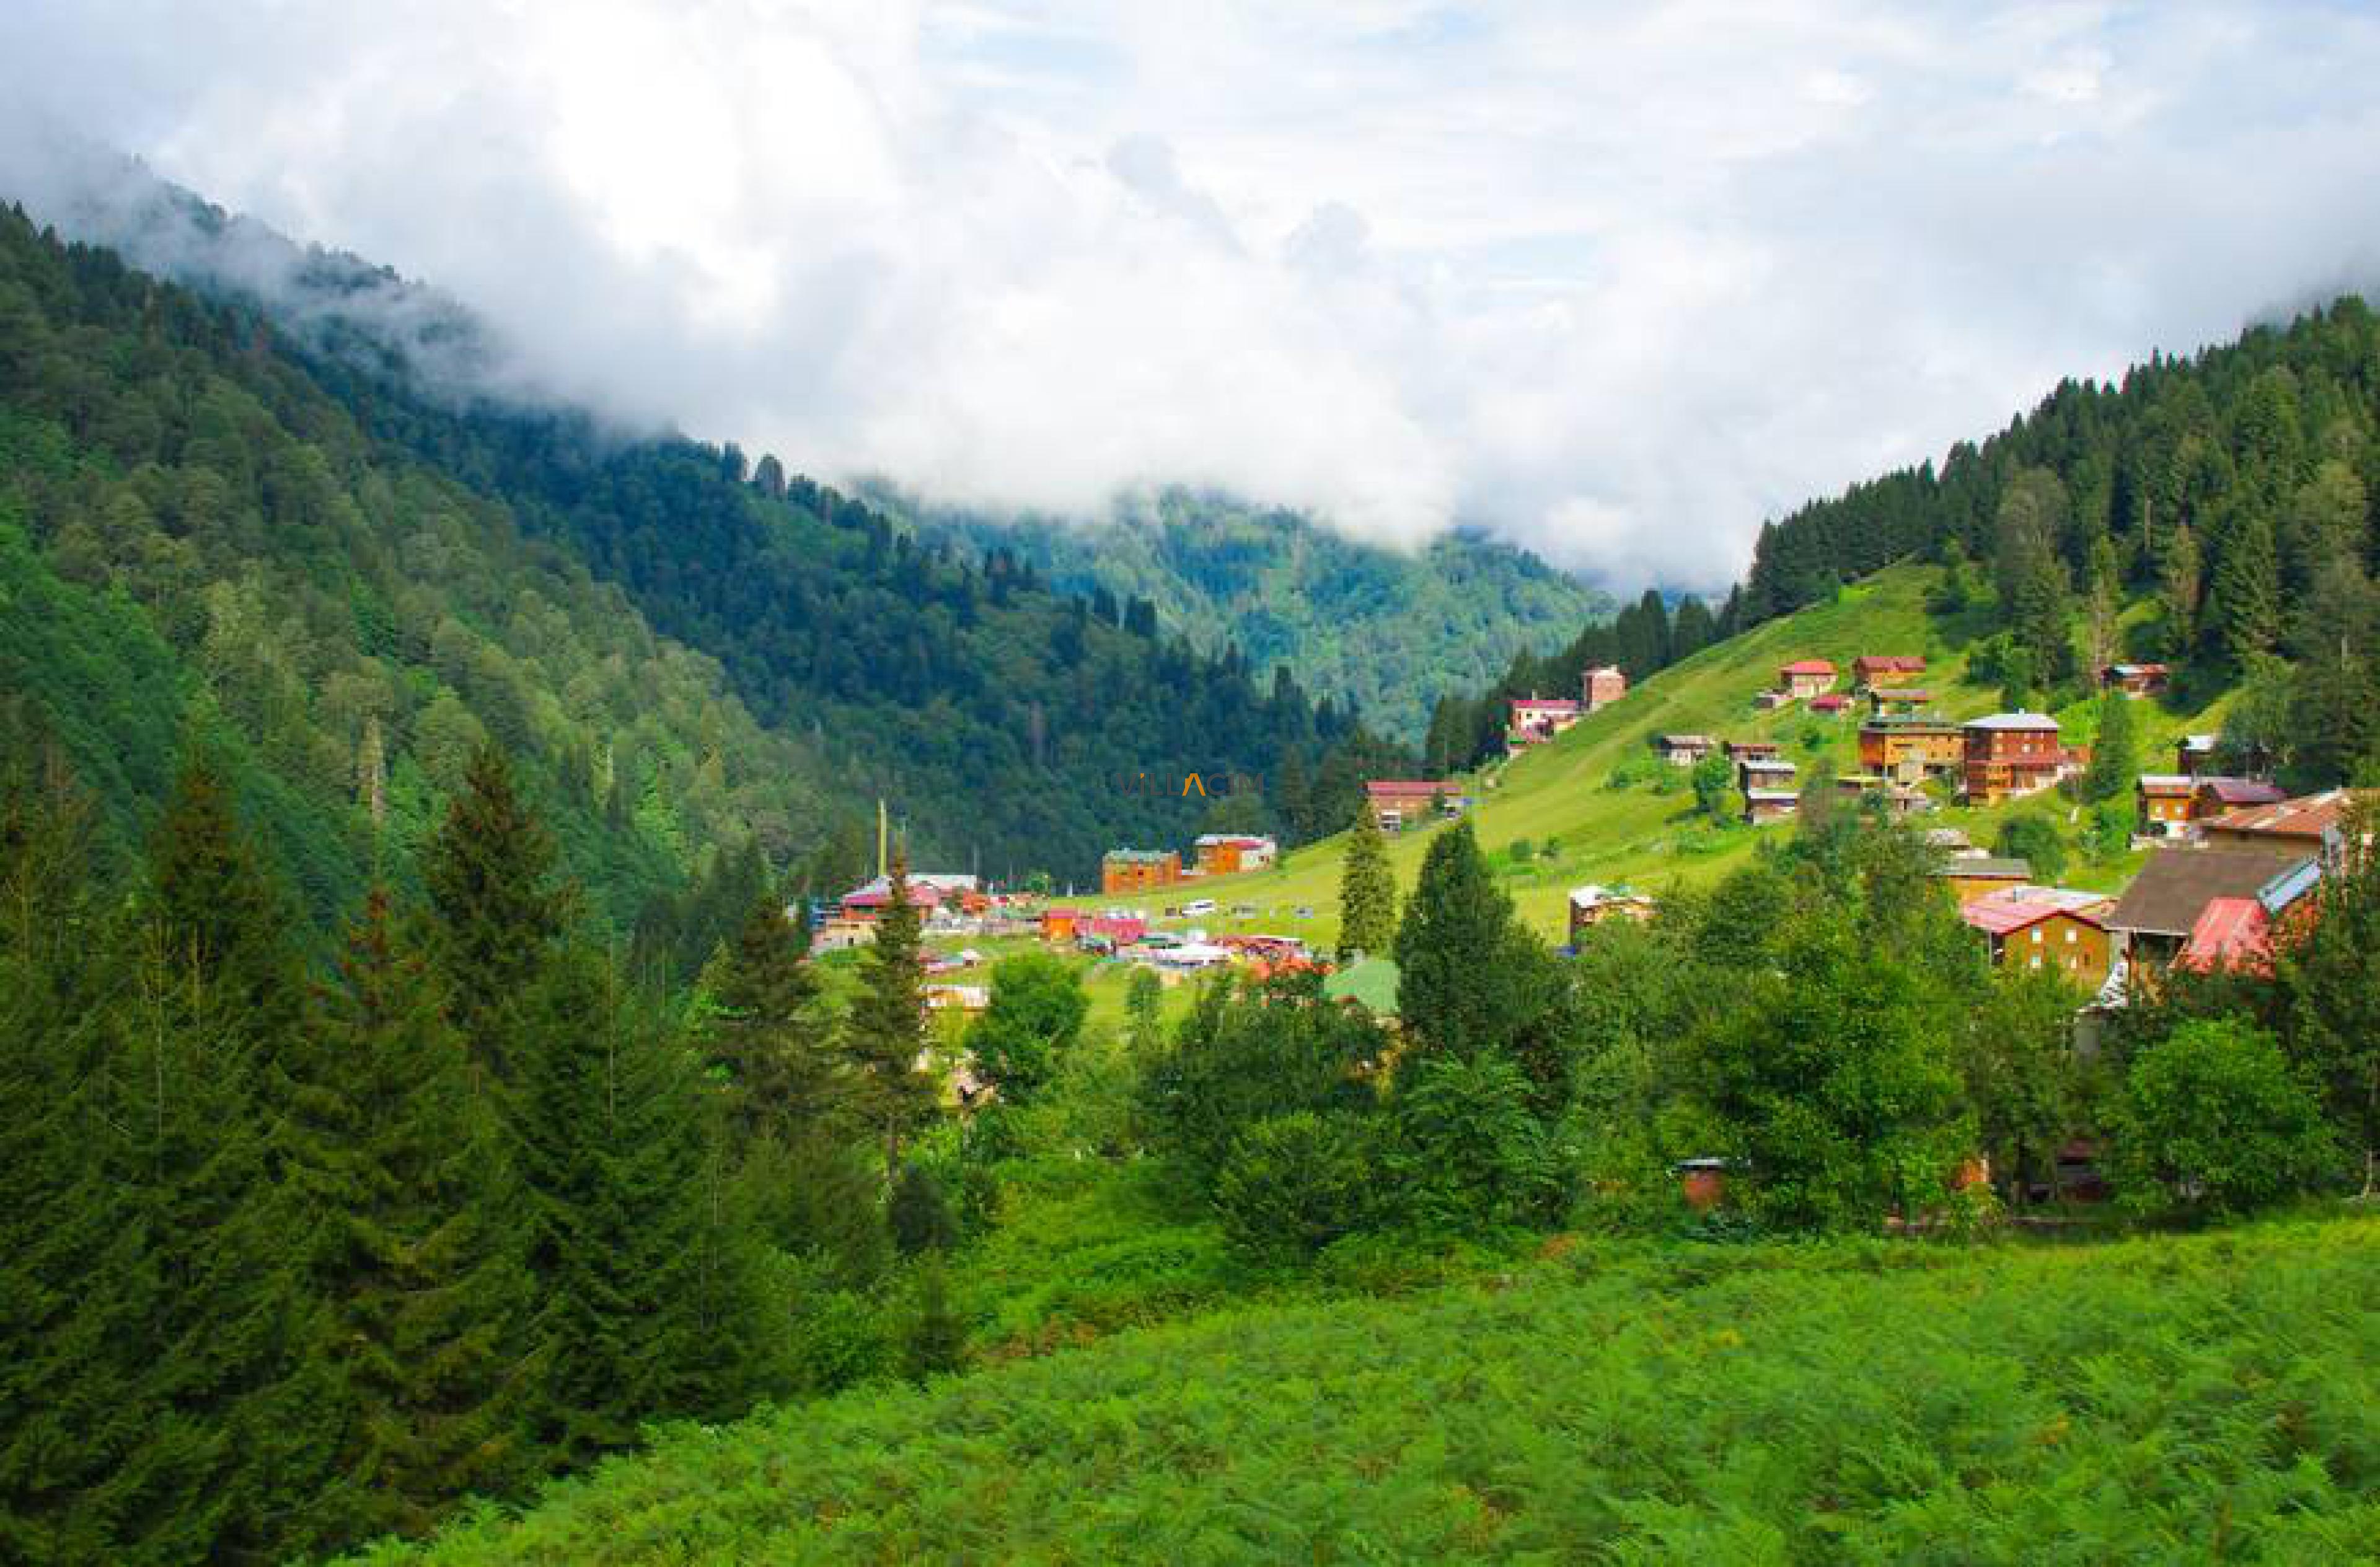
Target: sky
(1615, 283)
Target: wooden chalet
(1226, 854)
(1830, 703)
(1911, 749)
(2136, 681)
(2009, 755)
(1980, 875)
(1763, 805)
(2312, 824)
(1593, 905)
(2052, 928)
(1533, 720)
(2165, 801)
(1806, 678)
(1770, 773)
(1401, 802)
(1602, 686)
(2159, 910)
(1125, 870)
(1897, 700)
(1683, 750)
(1870, 671)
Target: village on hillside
(2229, 856)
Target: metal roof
(2018, 720)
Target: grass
(1646, 834)
(2200, 1397)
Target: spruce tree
(498, 911)
(2115, 749)
(2179, 589)
(886, 1034)
(2247, 602)
(424, 1288)
(2328, 956)
(1459, 985)
(1368, 890)
(643, 1282)
(762, 1030)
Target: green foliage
(2327, 961)
(885, 1032)
(1470, 1151)
(1843, 1400)
(1368, 891)
(1714, 782)
(1245, 1056)
(2213, 1118)
(1037, 1011)
(2035, 839)
(919, 1215)
(2115, 751)
(1292, 1183)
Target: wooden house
(2158, 911)
(1602, 686)
(2136, 681)
(2194, 754)
(1981, 875)
(1806, 678)
(1896, 701)
(1764, 773)
(1761, 805)
(2219, 796)
(1830, 703)
(1226, 854)
(1402, 802)
(2311, 825)
(1911, 749)
(1126, 871)
(1683, 750)
(2012, 754)
(2052, 928)
(1870, 671)
(1593, 905)
(1738, 750)
(1533, 720)
(2165, 801)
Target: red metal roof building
(2231, 933)
(1806, 677)
(1884, 668)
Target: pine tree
(2115, 749)
(2179, 575)
(2325, 965)
(497, 911)
(243, 1411)
(762, 1028)
(886, 1034)
(1458, 986)
(642, 1276)
(424, 1289)
(1368, 890)
(2247, 603)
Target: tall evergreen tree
(424, 1289)
(1368, 890)
(2180, 575)
(1455, 983)
(2247, 599)
(497, 910)
(763, 1028)
(2115, 749)
(885, 1033)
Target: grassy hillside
(1646, 831)
(2148, 1400)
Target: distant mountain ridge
(1389, 630)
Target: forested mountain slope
(1387, 630)
(198, 543)
(347, 579)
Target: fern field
(2205, 1397)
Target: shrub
(2035, 839)
(1469, 1152)
(1295, 1182)
(2213, 1118)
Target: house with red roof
(2311, 825)
(2230, 933)
(2056, 929)
(2136, 681)
(1806, 678)
(1536, 719)
(1401, 802)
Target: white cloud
(1614, 281)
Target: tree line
(297, 1256)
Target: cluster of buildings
(1533, 720)
(1399, 803)
(1127, 871)
(2213, 899)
